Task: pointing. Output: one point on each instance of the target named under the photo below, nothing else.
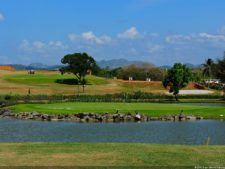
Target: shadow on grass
(67, 81)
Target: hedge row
(121, 97)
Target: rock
(199, 118)
(82, 115)
(86, 118)
(60, 117)
(182, 117)
(94, 117)
(176, 117)
(169, 118)
(153, 118)
(137, 117)
(163, 118)
(128, 118)
(190, 117)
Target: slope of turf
(73, 154)
(49, 79)
(151, 109)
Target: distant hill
(114, 63)
(189, 65)
(35, 66)
(165, 67)
(192, 66)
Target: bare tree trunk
(83, 88)
(78, 89)
(176, 97)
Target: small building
(148, 79)
(31, 72)
(6, 67)
(212, 81)
(89, 72)
(130, 78)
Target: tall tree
(220, 69)
(79, 64)
(177, 78)
(208, 68)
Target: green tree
(220, 69)
(79, 64)
(177, 78)
(208, 68)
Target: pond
(157, 132)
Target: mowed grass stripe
(109, 154)
(50, 79)
(150, 109)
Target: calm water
(195, 132)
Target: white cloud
(178, 39)
(25, 45)
(56, 44)
(90, 36)
(2, 18)
(199, 37)
(212, 37)
(155, 48)
(40, 46)
(154, 35)
(72, 36)
(222, 30)
(131, 33)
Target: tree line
(176, 78)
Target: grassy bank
(60, 154)
(150, 109)
(46, 82)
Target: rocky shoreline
(95, 117)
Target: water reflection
(191, 132)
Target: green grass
(150, 109)
(109, 154)
(49, 79)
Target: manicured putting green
(151, 109)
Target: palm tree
(208, 68)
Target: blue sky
(157, 31)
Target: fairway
(75, 154)
(45, 82)
(150, 109)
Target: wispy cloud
(131, 33)
(201, 37)
(134, 45)
(155, 48)
(2, 18)
(40, 46)
(90, 37)
(222, 30)
(178, 39)
(72, 36)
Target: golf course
(45, 82)
(138, 154)
(149, 109)
(116, 84)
